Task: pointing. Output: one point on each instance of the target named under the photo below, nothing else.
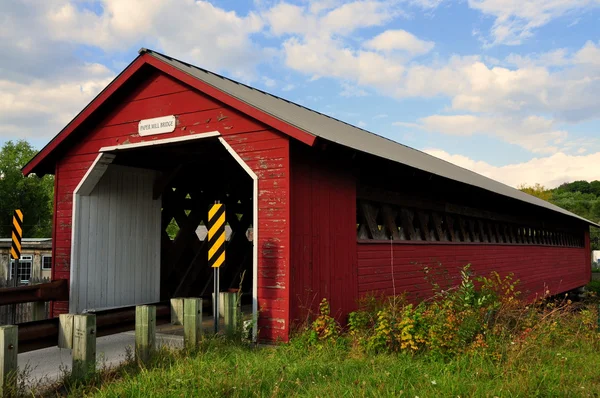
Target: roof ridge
(348, 138)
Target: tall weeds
(482, 315)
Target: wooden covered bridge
(317, 208)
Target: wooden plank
(145, 332)
(232, 316)
(369, 213)
(491, 233)
(192, 322)
(65, 331)
(463, 231)
(482, 235)
(177, 311)
(84, 346)
(499, 233)
(450, 227)
(408, 223)
(474, 232)
(389, 220)
(439, 230)
(423, 219)
(9, 347)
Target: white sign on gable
(158, 125)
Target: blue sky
(507, 88)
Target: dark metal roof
(342, 133)
(28, 243)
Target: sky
(507, 88)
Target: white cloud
(536, 134)
(317, 41)
(269, 82)
(537, 87)
(393, 40)
(351, 90)
(426, 3)
(525, 100)
(326, 57)
(516, 20)
(43, 83)
(290, 19)
(588, 55)
(196, 31)
(549, 171)
(40, 108)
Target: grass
(570, 368)
(551, 349)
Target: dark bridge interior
(192, 177)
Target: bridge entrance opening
(140, 218)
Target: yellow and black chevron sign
(216, 235)
(17, 235)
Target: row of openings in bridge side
(381, 221)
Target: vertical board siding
(266, 152)
(118, 230)
(323, 227)
(538, 268)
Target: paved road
(49, 364)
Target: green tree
(576, 186)
(538, 191)
(595, 187)
(33, 195)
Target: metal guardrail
(43, 334)
(53, 291)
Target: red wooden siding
(323, 229)
(265, 150)
(538, 268)
(588, 262)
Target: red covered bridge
(317, 207)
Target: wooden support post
(84, 346)
(9, 340)
(176, 311)
(233, 313)
(65, 331)
(192, 322)
(145, 332)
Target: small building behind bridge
(335, 211)
(35, 262)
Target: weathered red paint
(539, 268)
(323, 227)
(265, 150)
(171, 88)
(83, 115)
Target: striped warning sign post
(216, 235)
(15, 252)
(216, 251)
(17, 235)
